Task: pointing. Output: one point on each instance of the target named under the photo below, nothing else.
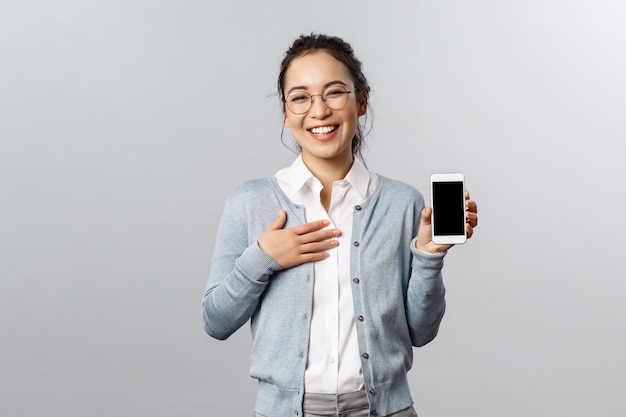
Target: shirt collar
(358, 176)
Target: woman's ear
(364, 96)
(285, 115)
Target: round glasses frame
(300, 102)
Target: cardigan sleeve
(240, 271)
(425, 301)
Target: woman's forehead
(315, 70)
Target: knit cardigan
(397, 290)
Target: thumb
(280, 220)
(426, 215)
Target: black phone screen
(448, 208)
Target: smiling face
(325, 135)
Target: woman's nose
(318, 106)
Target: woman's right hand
(297, 245)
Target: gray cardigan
(398, 294)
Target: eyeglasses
(335, 98)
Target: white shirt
(333, 363)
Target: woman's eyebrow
(305, 88)
(299, 87)
(333, 83)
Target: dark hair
(342, 52)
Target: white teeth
(323, 130)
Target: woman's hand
(424, 235)
(297, 245)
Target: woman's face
(325, 135)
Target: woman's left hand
(424, 235)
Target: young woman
(333, 264)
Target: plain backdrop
(124, 124)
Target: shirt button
(355, 280)
(372, 391)
(373, 412)
(356, 244)
(357, 207)
(366, 356)
(360, 318)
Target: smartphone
(447, 192)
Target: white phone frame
(448, 239)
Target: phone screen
(448, 208)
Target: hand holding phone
(447, 193)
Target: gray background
(124, 125)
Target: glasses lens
(336, 97)
(299, 102)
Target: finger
(279, 221)
(312, 257)
(470, 205)
(320, 235)
(311, 227)
(467, 194)
(471, 219)
(426, 215)
(314, 247)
